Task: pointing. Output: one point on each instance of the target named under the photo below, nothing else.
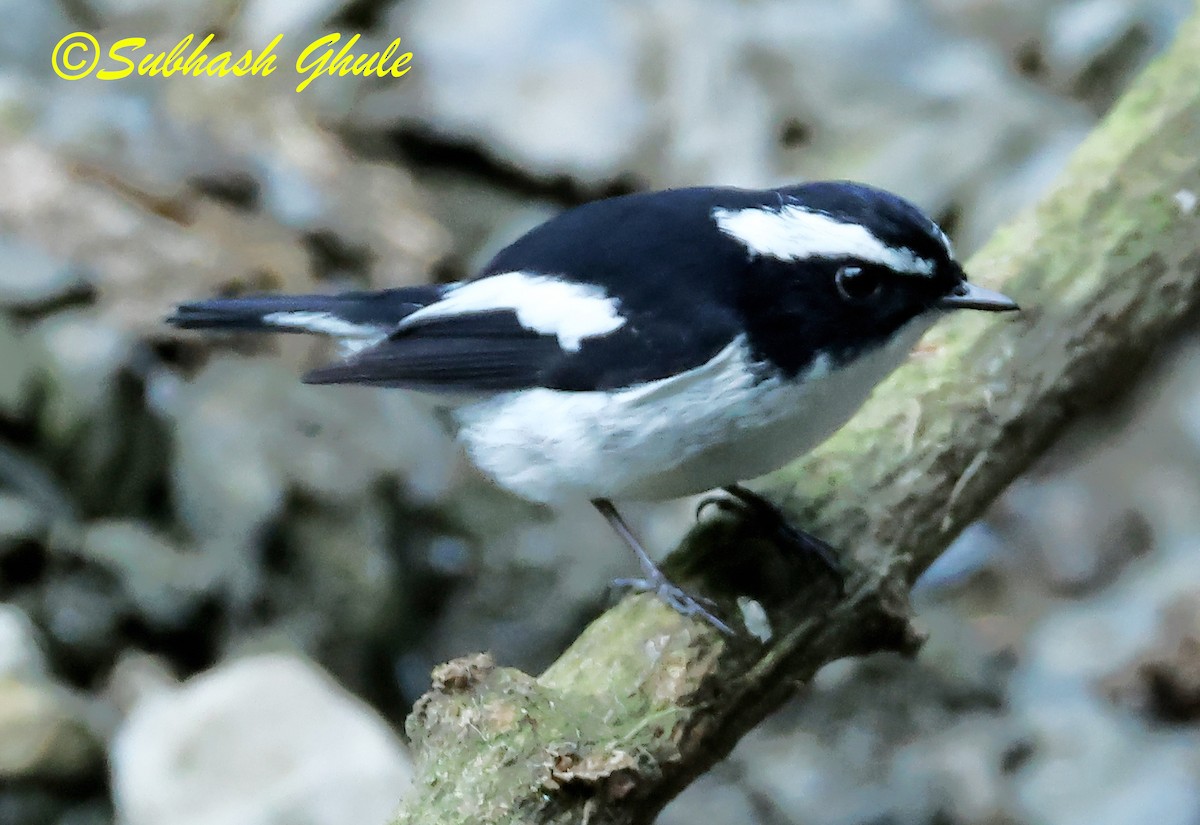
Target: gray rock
(306, 184)
(1163, 682)
(121, 129)
(112, 579)
(21, 654)
(1106, 37)
(536, 575)
(1081, 541)
(137, 243)
(1082, 771)
(177, 18)
(19, 369)
(261, 20)
(247, 432)
(1085, 50)
(883, 740)
(30, 805)
(134, 677)
(21, 523)
(95, 428)
(84, 356)
(82, 615)
(718, 798)
(43, 735)
(28, 40)
(291, 196)
(97, 812)
(268, 740)
(551, 87)
(344, 576)
(1080, 31)
(976, 548)
(163, 584)
(30, 277)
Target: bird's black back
(674, 277)
(684, 288)
(697, 288)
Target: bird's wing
(517, 330)
(486, 351)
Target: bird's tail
(350, 315)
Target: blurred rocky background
(220, 590)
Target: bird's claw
(677, 599)
(723, 503)
(752, 506)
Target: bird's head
(841, 268)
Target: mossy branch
(1107, 267)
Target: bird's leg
(767, 515)
(653, 580)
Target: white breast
(708, 427)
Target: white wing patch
(546, 305)
(352, 338)
(793, 233)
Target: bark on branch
(1107, 267)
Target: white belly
(709, 427)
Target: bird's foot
(653, 580)
(675, 597)
(767, 516)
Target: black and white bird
(650, 346)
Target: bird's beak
(972, 296)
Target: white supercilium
(793, 233)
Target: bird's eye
(855, 283)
